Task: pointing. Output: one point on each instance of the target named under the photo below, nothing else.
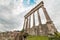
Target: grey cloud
(7, 20)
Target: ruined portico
(41, 29)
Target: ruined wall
(33, 31)
(9, 35)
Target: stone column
(39, 18)
(46, 14)
(34, 32)
(33, 20)
(40, 24)
(26, 24)
(49, 23)
(29, 23)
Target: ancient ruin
(41, 29)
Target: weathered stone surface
(15, 35)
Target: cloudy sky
(12, 13)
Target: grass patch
(37, 38)
(52, 37)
